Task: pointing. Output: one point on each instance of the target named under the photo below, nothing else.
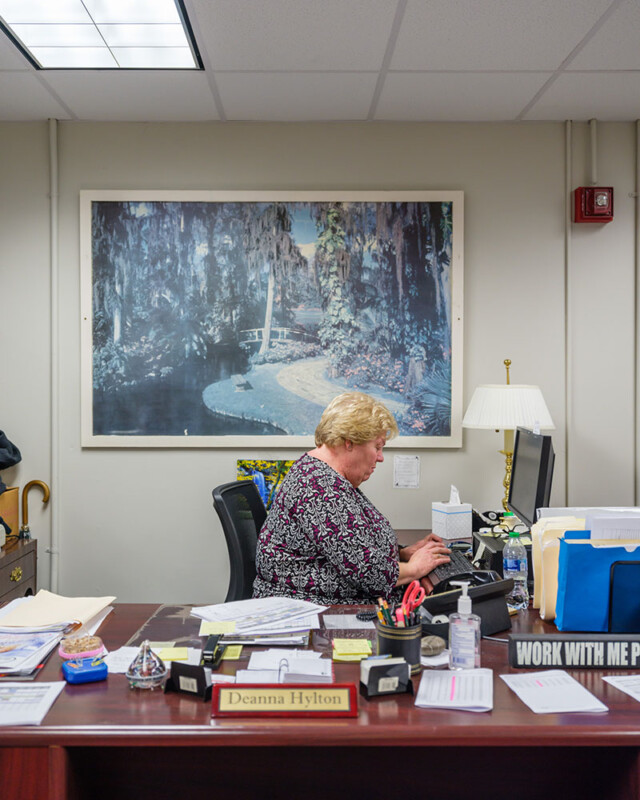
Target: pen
(400, 618)
(382, 616)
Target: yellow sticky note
(174, 653)
(213, 628)
(232, 652)
(352, 647)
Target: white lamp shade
(506, 406)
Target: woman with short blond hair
(323, 540)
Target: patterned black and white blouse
(324, 541)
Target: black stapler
(212, 652)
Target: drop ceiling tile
(153, 96)
(616, 45)
(457, 96)
(10, 56)
(613, 96)
(286, 96)
(293, 35)
(25, 99)
(492, 34)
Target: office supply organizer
(84, 670)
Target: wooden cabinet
(18, 569)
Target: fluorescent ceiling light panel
(59, 35)
(153, 57)
(47, 11)
(75, 57)
(143, 35)
(101, 34)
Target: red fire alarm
(593, 204)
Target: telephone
(475, 577)
(484, 519)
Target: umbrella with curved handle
(25, 531)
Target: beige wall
(138, 523)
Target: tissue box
(451, 521)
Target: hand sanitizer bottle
(464, 633)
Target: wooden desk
(18, 569)
(104, 740)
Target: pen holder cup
(400, 643)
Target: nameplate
(577, 650)
(284, 700)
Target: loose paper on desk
(629, 684)
(254, 615)
(257, 676)
(273, 657)
(280, 665)
(462, 690)
(294, 631)
(175, 653)
(441, 660)
(27, 703)
(48, 611)
(552, 692)
(119, 661)
(345, 622)
(216, 628)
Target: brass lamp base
(507, 452)
(508, 457)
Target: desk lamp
(505, 407)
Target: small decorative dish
(79, 647)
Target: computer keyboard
(458, 564)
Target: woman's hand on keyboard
(407, 552)
(429, 556)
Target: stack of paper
(51, 612)
(31, 627)
(351, 649)
(279, 665)
(22, 653)
(264, 621)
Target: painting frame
(91, 439)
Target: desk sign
(285, 700)
(577, 650)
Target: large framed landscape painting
(231, 319)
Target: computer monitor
(531, 474)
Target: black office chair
(242, 514)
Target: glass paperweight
(147, 670)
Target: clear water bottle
(514, 563)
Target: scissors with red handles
(413, 597)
